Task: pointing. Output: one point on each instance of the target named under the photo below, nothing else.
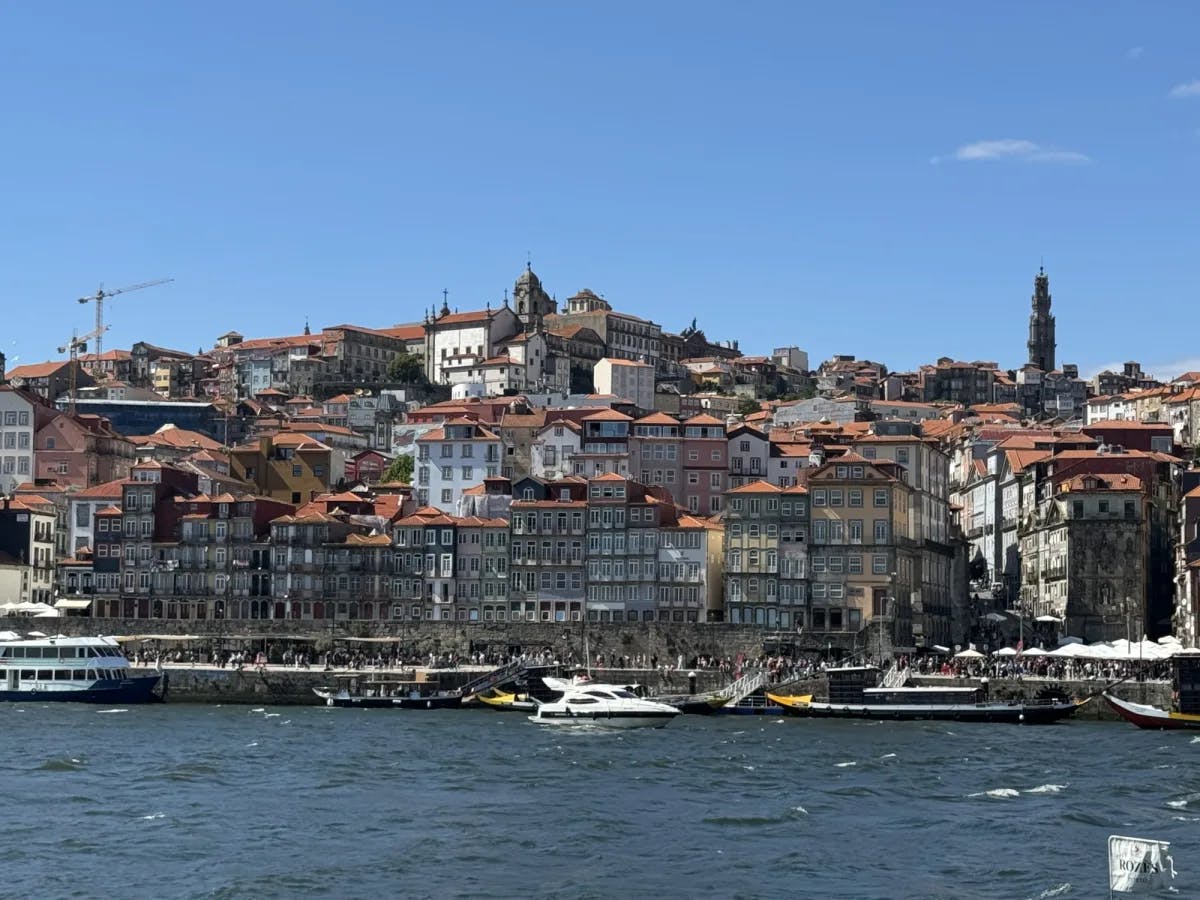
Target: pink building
(705, 466)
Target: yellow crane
(75, 346)
(98, 298)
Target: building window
(881, 497)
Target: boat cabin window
(605, 695)
(583, 700)
(45, 674)
(625, 695)
(79, 675)
(28, 674)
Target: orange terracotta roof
(608, 415)
(757, 487)
(102, 491)
(405, 332)
(478, 315)
(1103, 483)
(35, 370)
(657, 418)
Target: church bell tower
(1041, 324)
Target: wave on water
(888, 756)
(1057, 891)
(102, 711)
(152, 817)
(261, 709)
(252, 744)
(1195, 740)
(67, 764)
(1177, 804)
(996, 794)
(844, 765)
(1045, 789)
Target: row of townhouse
(1073, 526)
(849, 549)
(609, 549)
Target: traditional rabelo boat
(855, 692)
(389, 695)
(1185, 711)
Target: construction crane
(75, 346)
(98, 298)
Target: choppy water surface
(224, 802)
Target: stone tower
(1041, 325)
(530, 300)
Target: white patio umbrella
(1034, 651)
(1006, 651)
(968, 654)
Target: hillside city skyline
(909, 172)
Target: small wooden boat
(1186, 685)
(1144, 716)
(382, 700)
(798, 702)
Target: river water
(232, 802)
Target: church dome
(527, 277)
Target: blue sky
(878, 179)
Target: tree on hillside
(407, 368)
(401, 469)
(748, 405)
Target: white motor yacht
(608, 705)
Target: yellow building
(863, 558)
(291, 468)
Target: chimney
(816, 456)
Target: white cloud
(1184, 90)
(1135, 53)
(1012, 149)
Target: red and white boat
(1144, 716)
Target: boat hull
(1015, 714)
(1151, 717)
(648, 719)
(138, 689)
(352, 701)
(503, 702)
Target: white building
(553, 449)
(625, 378)
(450, 459)
(690, 572)
(748, 455)
(82, 507)
(457, 344)
(16, 437)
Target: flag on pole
(1138, 864)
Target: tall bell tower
(530, 300)
(1041, 324)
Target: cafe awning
(67, 603)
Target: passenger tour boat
(76, 669)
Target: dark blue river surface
(224, 802)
